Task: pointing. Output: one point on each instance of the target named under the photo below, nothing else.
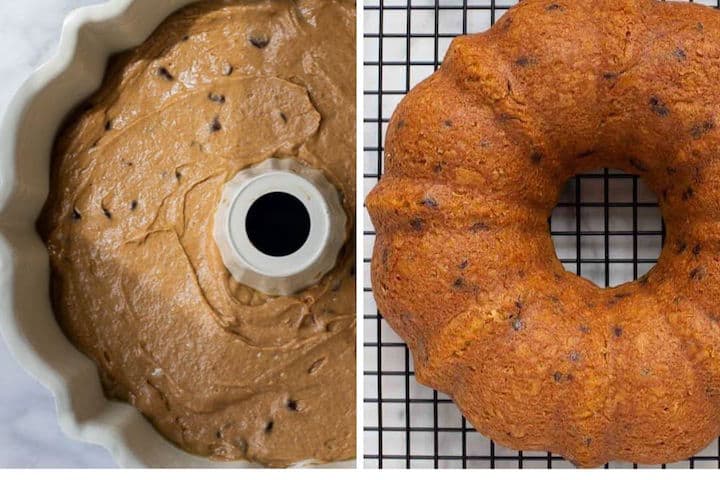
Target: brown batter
(138, 283)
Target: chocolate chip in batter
(555, 7)
(696, 249)
(417, 224)
(447, 123)
(283, 117)
(216, 126)
(165, 73)
(108, 125)
(617, 331)
(178, 175)
(269, 426)
(574, 356)
(680, 54)
(292, 405)
(107, 213)
(558, 376)
(133, 205)
(429, 202)
(317, 365)
(459, 282)
(536, 157)
(463, 265)
(657, 106)
(259, 41)
(216, 97)
(76, 214)
(610, 75)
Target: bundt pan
(90, 35)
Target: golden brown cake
(464, 268)
(138, 283)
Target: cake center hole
(607, 227)
(278, 224)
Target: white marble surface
(29, 432)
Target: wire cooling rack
(607, 227)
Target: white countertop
(29, 432)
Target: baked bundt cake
(464, 267)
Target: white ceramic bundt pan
(90, 35)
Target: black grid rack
(607, 227)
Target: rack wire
(607, 227)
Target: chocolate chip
(417, 224)
(218, 434)
(657, 106)
(108, 125)
(688, 193)
(638, 165)
(76, 214)
(107, 213)
(216, 97)
(697, 273)
(448, 123)
(680, 246)
(292, 405)
(617, 331)
(259, 42)
(696, 249)
(283, 117)
(463, 265)
(479, 227)
(558, 376)
(429, 202)
(610, 75)
(459, 282)
(524, 61)
(588, 442)
(133, 205)
(699, 129)
(680, 54)
(574, 357)
(165, 73)
(269, 426)
(536, 157)
(216, 126)
(554, 6)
